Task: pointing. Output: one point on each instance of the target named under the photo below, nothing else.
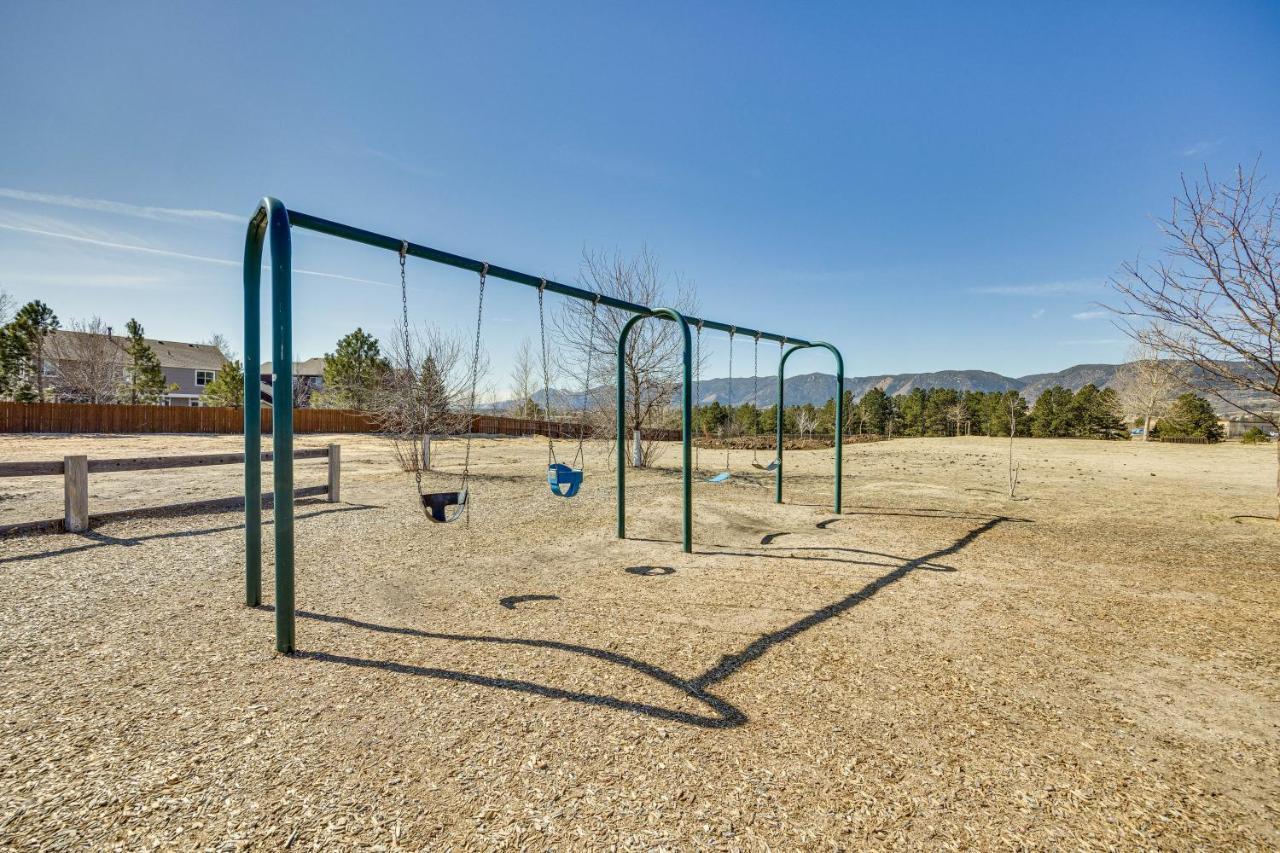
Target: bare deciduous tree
(7, 305)
(806, 421)
(524, 375)
(223, 343)
(428, 391)
(1015, 468)
(652, 360)
(1147, 384)
(1213, 300)
(90, 362)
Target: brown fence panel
(127, 419)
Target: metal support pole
(253, 408)
(839, 425)
(282, 420)
(686, 430)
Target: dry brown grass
(1095, 666)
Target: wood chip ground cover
(937, 667)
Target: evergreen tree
(227, 388)
(1191, 416)
(26, 348)
(912, 409)
(14, 361)
(938, 410)
(144, 378)
(1052, 415)
(874, 410)
(354, 373)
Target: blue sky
(929, 186)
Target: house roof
(310, 367)
(65, 344)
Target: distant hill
(817, 388)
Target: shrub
(1255, 436)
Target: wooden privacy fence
(75, 471)
(127, 419)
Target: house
(308, 377)
(1236, 425)
(85, 366)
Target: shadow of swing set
(272, 223)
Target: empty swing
(723, 476)
(565, 480)
(755, 422)
(448, 507)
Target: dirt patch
(1096, 666)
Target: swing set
(272, 223)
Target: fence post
(75, 489)
(335, 473)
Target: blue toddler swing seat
(564, 480)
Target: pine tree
(873, 411)
(354, 373)
(144, 378)
(27, 332)
(227, 388)
(1191, 416)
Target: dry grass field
(1096, 666)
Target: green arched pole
(686, 432)
(782, 370)
(271, 222)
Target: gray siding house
(83, 366)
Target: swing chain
(475, 378)
(546, 374)
(697, 385)
(728, 429)
(755, 399)
(586, 383)
(404, 321)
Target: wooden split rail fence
(75, 471)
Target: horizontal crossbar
(392, 244)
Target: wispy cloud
(1037, 314)
(1089, 315)
(99, 205)
(1202, 147)
(169, 253)
(1084, 285)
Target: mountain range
(817, 388)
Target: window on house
(49, 367)
(204, 377)
(195, 402)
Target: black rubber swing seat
(437, 506)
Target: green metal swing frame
(272, 223)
